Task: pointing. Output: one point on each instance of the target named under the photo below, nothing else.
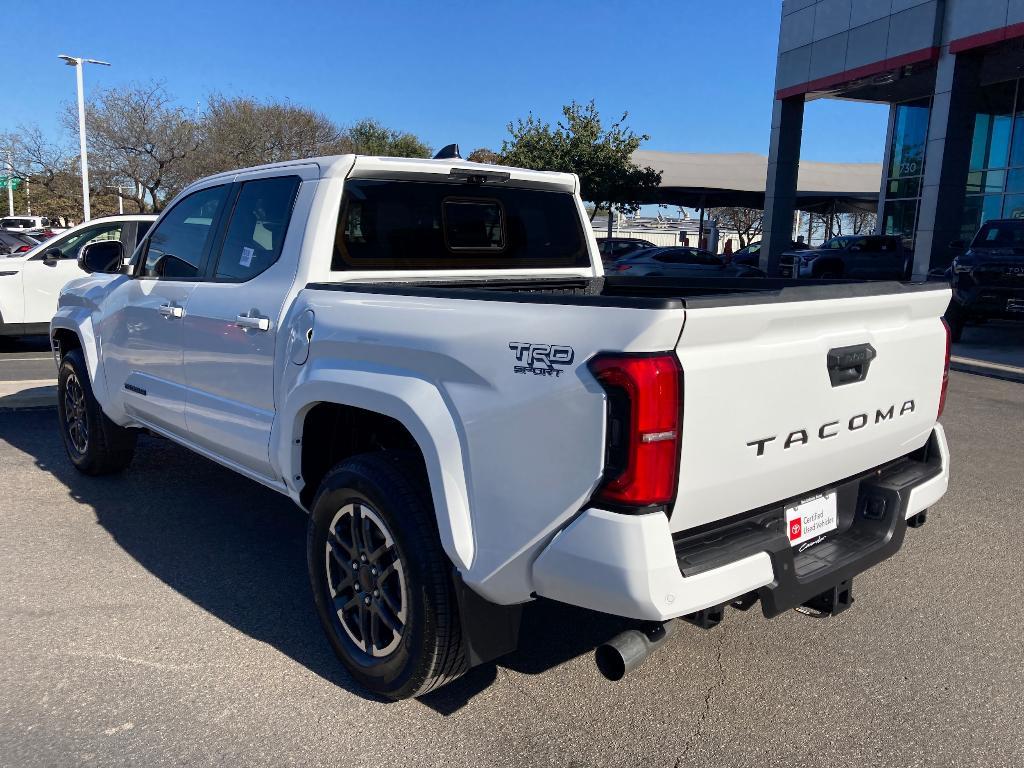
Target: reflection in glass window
(910, 135)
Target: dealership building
(951, 72)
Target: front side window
(70, 245)
(256, 233)
(386, 224)
(177, 246)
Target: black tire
(379, 496)
(94, 444)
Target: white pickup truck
(425, 356)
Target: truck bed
(634, 292)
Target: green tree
(369, 137)
(579, 143)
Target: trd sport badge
(541, 359)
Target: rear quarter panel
(530, 447)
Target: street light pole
(10, 184)
(79, 63)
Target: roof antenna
(451, 152)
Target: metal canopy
(721, 180)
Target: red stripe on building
(990, 37)
(858, 73)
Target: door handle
(252, 321)
(171, 312)
(847, 365)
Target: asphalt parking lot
(162, 617)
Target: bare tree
(484, 155)
(48, 171)
(140, 140)
(862, 222)
(241, 132)
(746, 222)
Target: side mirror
(105, 256)
(51, 256)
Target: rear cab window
(407, 225)
(995, 234)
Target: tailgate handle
(847, 365)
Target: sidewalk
(995, 349)
(33, 393)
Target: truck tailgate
(766, 420)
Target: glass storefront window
(899, 217)
(909, 136)
(979, 182)
(990, 147)
(1013, 207)
(906, 168)
(977, 210)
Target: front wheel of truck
(94, 444)
(381, 581)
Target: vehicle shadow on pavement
(237, 550)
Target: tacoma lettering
(832, 428)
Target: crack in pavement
(698, 730)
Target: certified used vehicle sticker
(807, 521)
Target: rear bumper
(631, 566)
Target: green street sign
(14, 182)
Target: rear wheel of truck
(381, 581)
(94, 444)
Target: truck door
(142, 329)
(232, 324)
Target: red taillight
(644, 427)
(945, 372)
(621, 267)
(24, 248)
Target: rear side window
(257, 229)
(426, 225)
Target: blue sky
(696, 75)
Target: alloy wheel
(366, 579)
(76, 424)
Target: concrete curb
(17, 395)
(985, 368)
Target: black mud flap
(488, 630)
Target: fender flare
(80, 324)
(416, 404)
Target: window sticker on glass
(246, 258)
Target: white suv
(30, 282)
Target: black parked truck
(988, 278)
